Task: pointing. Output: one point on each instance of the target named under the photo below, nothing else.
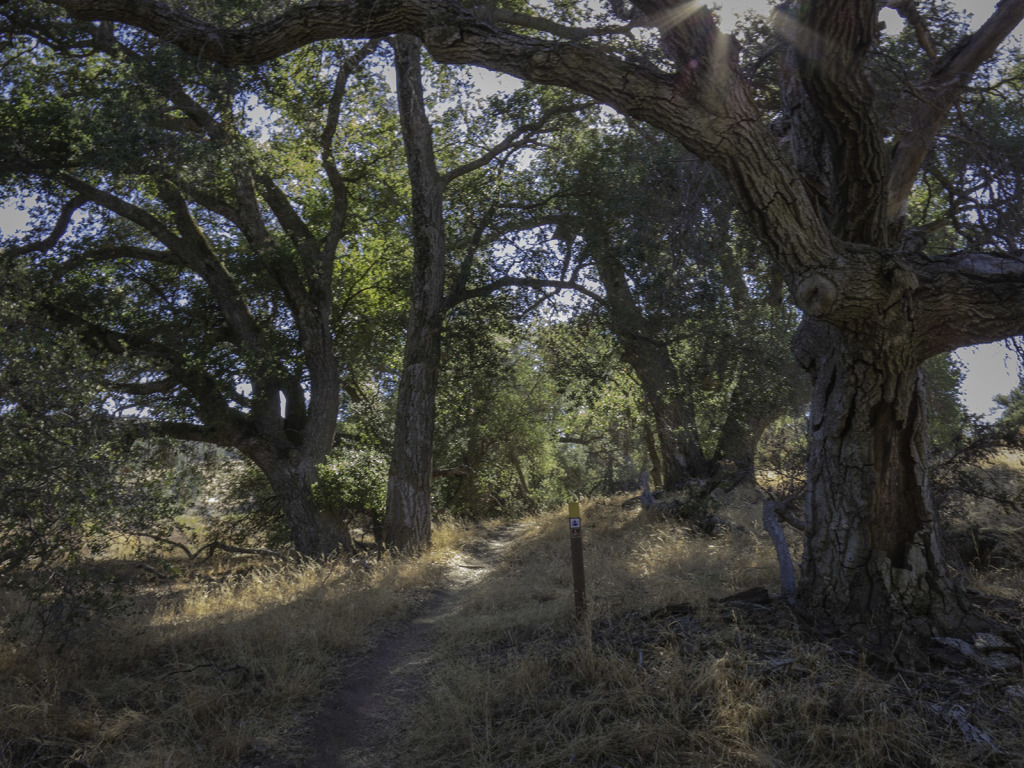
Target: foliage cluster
(352, 487)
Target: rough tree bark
(873, 556)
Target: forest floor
(470, 657)
(686, 660)
(353, 728)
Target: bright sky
(991, 370)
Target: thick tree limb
(527, 282)
(226, 437)
(258, 43)
(198, 255)
(539, 24)
(832, 39)
(704, 105)
(969, 298)
(935, 98)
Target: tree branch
(133, 213)
(526, 282)
(162, 386)
(907, 9)
(204, 388)
(936, 96)
(337, 182)
(199, 256)
(491, 14)
(990, 284)
(517, 139)
(59, 228)
(196, 433)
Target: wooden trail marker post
(579, 588)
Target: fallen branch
(209, 548)
(772, 512)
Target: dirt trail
(351, 730)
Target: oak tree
(199, 255)
(826, 187)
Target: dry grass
(981, 532)
(516, 685)
(226, 662)
(227, 669)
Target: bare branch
(204, 388)
(199, 256)
(59, 228)
(527, 282)
(517, 139)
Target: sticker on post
(575, 532)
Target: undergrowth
(223, 664)
(666, 673)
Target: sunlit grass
(518, 683)
(228, 661)
(227, 664)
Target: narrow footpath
(352, 729)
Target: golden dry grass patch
(228, 665)
(517, 683)
(225, 662)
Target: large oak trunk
(873, 561)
